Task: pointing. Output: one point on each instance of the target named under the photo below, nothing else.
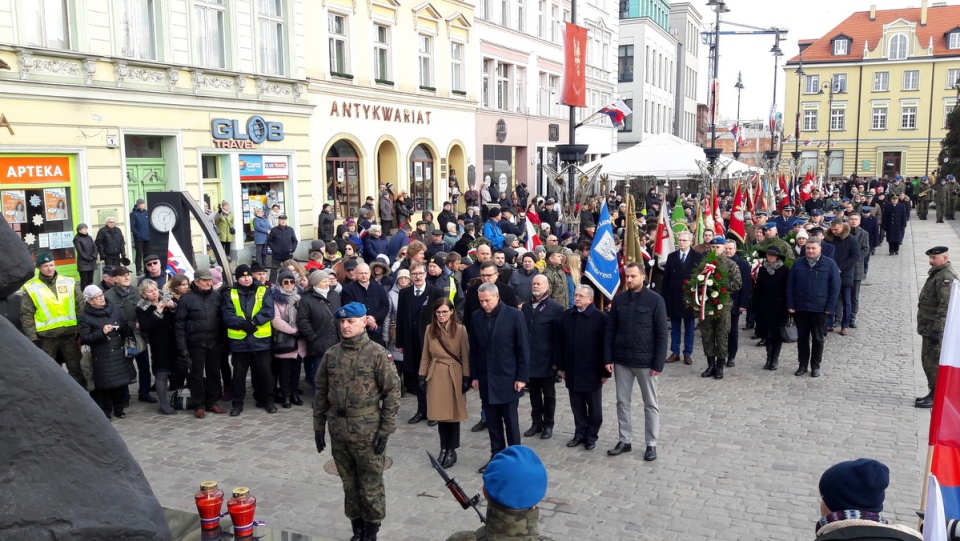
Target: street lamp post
(827, 153)
(771, 155)
(799, 118)
(736, 139)
(712, 153)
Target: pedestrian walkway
(737, 457)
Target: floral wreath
(707, 291)
(477, 242)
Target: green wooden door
(145, 176)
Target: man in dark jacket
(741, 300)
(679, 267)
(484, 253)
(124, 296)
(446, 216)
(499, 364)
(812, 290)
(282, 241)
(634, 349)
(374, 243)
(548, 215)
(372, 296)
(462, 246)
(316, 322)
(140, 228)
(488, 275)
(847, 256)
(155, 270)
(871, 225)
(325, 223)
(110, 243)
(542, 316)
(398, 241)
(86, 255)
(522, 279)
(247, 312)
(436, 245)
(863, 239)
(583, 330)
(414, 313)
(198, 328)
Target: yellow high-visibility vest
(54, 310)
(263, 331)
(453, 288)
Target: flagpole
(926, 480)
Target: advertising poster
(418, 171)
(257, 167)
(14, 206)
(55, 203)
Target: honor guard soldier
(932, 315)
(358, 396)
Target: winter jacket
(582, 335)
(234, 320)
(543, 333)
(522, 283)
(374, 246)
(492, 231)
(325, 226)
(637, 332)
(110, 242)
(770, 300)
(863, 239)
(374, 297)
(316, 322)
(894, 221)
(86, 252)
(140, 225)
(111, 368)
(847, 255)
(499, 353)
(444, 373)
(445, 217)
(198, 321)
(280, 308)
(386, 209)
(462, 246)
(160, 335)
(813, 289)
(225, 230)
(282, 241)
(402, 212)
(261, 228)
(395, 244)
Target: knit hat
(242, 270)
(141, 202)
(90, 292)
(802, 234)
(350, 264)
(318, 276)
(354, 309)
(493, 213)
(516, 478)
(439, 260)
(43, 259)
(508, 239)
(81, 226)
(285, 275)
(855, 485)
(403, 273)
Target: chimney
(923, 13)
(873, 12)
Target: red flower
(723, 290)
(718, 276)
(685, 282)
(716, 301)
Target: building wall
(653, 88)
(687, 22)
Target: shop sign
(553, 132)
(379, 112)
(4, 123)
(501, 131)
(257, 167)
(34, 169)
(230, 134)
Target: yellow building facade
(876, 90)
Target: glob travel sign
(229, 133)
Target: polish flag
(806, 188)
(533, 240)
(737, 226)
(718, 227)
(664, 244)
(945, 419)
(177, 262)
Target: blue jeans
(675, 324)
(143, 374)
(312, 364)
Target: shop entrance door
(145, 177)
(891, 164)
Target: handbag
(181, 399)
(283, 342)
(788, 332)
(130, 346)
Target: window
(812, 84)
(337, 42)
(625, 66)
(504, 13)
(343, 179)
(881, 81)
(948, 108)
(911, 80)
(908, 117)
(879, 118)
(485, 9)
(421, 176)
(541, 19)
(953, 77)
(520, 15)
(425, 62)
(138, 24)
(555, 23)
(841, 47)
(839, 82)
(838, 120)
(456, 67)
(954, 40)
(381, 53)
(210, 36)
(487, 66)
(503, 87)
(48, 24)
(898, 47)
(270, 22)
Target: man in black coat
(634, 349)
(499, 365)
(871, 225)
(583, 330)
(679, 267)
(316, 323)
(488, 275)
(282, 241)
(741, 300)
(484, 253)
(462, 246)
(199, 331)
(542, 316)
(446, 216)
(414, 313)
(372, 296)
(548, 215)
(847, 256)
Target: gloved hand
(183, 362)
(379, 444)
(934, 340)
(466, 384)
(249, 327)
(422, 383)
(319, 436)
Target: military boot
(718, 373)
(370, 531)
(450, 459)
(357, 525)
(775, 356)
(711, 368)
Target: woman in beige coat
(445, 374)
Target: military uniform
(558, 284)
(48, 315)
(923, 197)
(504, 523)
(358, 397)
(715, 329)
(932, 315)
(953, 195)
(940, 197)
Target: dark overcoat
(582, 336)
(895, 222)
(543, 325)
(410, 328)
(500, 356)
(111, 368)
(672, 284)
(770, 300)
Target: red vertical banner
(574, 91)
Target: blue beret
(354, 309)
(770, 225)
(516, 478)
(721, 240)
(44, 258)
(857, 484)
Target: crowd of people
(387, 307)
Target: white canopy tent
(663, 156)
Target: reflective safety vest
(263, 331)
(54, 310)
(453, 288)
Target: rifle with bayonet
(456, 489)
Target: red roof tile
(940, 20)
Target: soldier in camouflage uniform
(953, 195)
(932, 314)
(556, 276)
(514, 483)
(924, 195)
(358, 396)
(715, 329)
(897, 188)
(940, 197)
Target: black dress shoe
(431, 423)
(925, 402)
(417, 417)
(620, 448)
(148, 399)
(762, 343)
(650, 454)
(853, 324)
(287, 403)
(929, 396)
(532, 431)
(450, 460)
(259, 404)
(574, 442)
(800, 371)
(237, 410)
(547, 434)
(590, 446)
(271, 408)
(479, 427)
(296, 400)
(483, 468)
(731, 363)
(119, 414)
(749, 326)
(815, 373)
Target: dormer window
(841, 47)
(953, 39)
(898, 47)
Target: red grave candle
(242, 507)
(209, 502)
